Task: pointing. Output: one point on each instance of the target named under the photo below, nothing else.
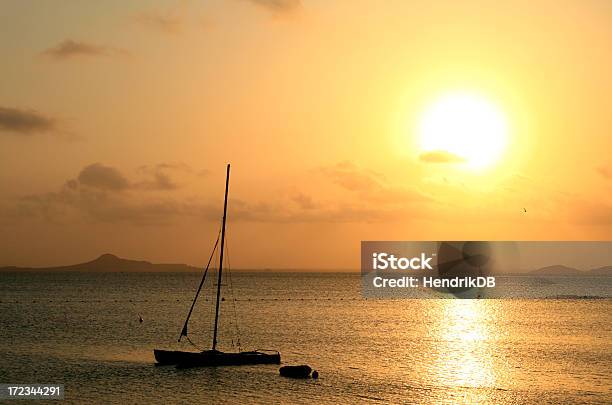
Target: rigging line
(228, 279)
(211, 307)
(184, 330)
(223, 222)
(213, 283)
(193, 344)
(229, 290)
(231, 285)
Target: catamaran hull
(212, 359)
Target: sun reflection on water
(466, 354)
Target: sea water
(83, 331)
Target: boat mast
(212, 254)
(214, 342)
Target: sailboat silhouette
(214, 357)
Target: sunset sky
(117, 119)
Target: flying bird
(524, 209)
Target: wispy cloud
(303, 201)
(164, 22)
(160, 176)
(594, 213)
(351, 177)
(370, 186)
(278, 5)
(281, 212)
(25, 122)
(440, 156)
(605, 171)
(104, 194)
(69, 49)
(101, 177)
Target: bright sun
(463, 128)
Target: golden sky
(117, 119)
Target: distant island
(560, 270)
(111, 263)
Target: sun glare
(463, 128)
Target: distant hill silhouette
(557, 270)
(111, 263)
(602, 271)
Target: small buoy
(302, 371)
(315, 374)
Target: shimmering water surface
(82, 330)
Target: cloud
(280, 212)
(103, 194)
(101, 177)
(161, 181)
(605, 171)
(69, 49)
(160, 176)
(25, 122)
(278, 5)
(303, 201)
(370, 186)
(440, 156)
(591, 212)
(164, 22)
(98, 205)
(350, 177)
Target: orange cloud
(25, 122)
(440, 156)
(163, 22)
(278, 5)
(605, 171)
(69, 48)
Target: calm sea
(83, 330)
